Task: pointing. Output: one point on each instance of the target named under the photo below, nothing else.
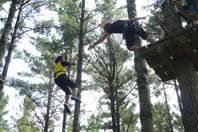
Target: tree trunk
(144, 95)
(143, 89)
(64, 117)
(188, 82)
(47, 116)
(76, 125)
(113, 90)
(113, 113)
(11, 46)
(69, 75)
(185, 73)
(118, 114)
(172, 22)
(7, 29)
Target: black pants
(65, 83)
(133, 33)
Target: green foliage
(95, 123)
(152, 29)
(105, 7)
(110, 11)
(25, 123)
(107, 69)
(69, 21)
(102, 65)
(129, 119)
(160, 119)
(44, 27)
(117, 81)
(69, 125)
(41, 66)
(177, 122)
(154, 25)
(3, 1)
(3, 123)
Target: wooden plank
(160, 56)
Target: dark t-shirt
(129, 29)
(118, 26)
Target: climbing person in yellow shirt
(63, 81)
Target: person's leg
(74, 91)
(67, 102)
(132, 41)
(143, 34)
(68, 97)
(61, 82)
(73, 85)
(74, 95)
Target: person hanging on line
(63, 81)
(130, 29)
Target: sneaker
(76, 99)
(67, 109)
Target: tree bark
(172, 21)
(118, 115)
(7, 29)
(69, 75)
(143, 89)
(76, 125)
(47, 116)
(185, 73)
(113, 90)
(64, 118)
(144, 95)
(11, 46)
(113, 113)
(188, 82)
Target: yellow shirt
(59, 69)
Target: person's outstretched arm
(101, 39)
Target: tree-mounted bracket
(161, 55)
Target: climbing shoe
(76, 99)
(67, 109)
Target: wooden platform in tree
(161, 55)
